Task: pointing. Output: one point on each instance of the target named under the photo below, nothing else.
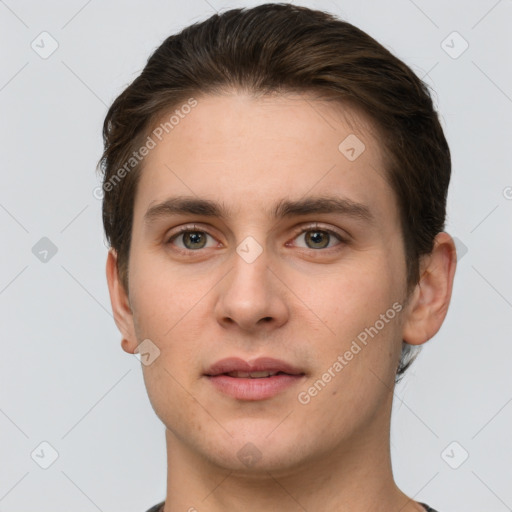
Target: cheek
(172, 403)
(161, 298)
(356, 364)
(352, 299)
(362, 309)
(171, 313)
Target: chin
(255, 448)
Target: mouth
(257, 380)
(253, 375)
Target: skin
(297, 301)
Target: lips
(252, 375)
(257, 380)
(262, 367)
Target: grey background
(64, 377)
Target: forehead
(251, 152)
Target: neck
(356, 476)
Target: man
(275, 191)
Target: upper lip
(234, 364)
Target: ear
(123, 315)
(429, 301)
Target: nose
(252, 297)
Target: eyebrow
(187, 205)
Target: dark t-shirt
(159, 507)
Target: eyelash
(314, 227)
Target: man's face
(251, 285)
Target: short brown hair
(285, 48)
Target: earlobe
(121, 309)
(430, 299)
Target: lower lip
(254, 389)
